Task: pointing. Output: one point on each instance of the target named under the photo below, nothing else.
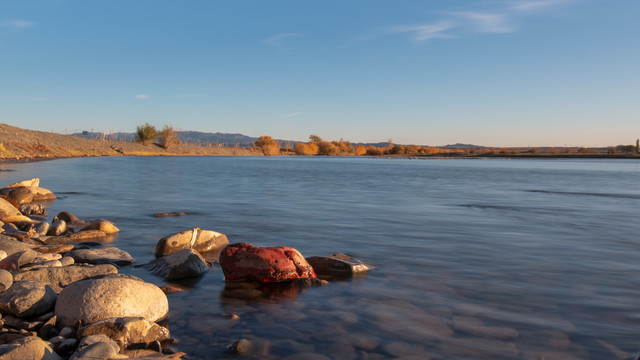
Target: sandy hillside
(17, 143)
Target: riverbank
(18, 144)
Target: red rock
(245, 262)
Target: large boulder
(27, 299)
(59, 277)
(203, 241)
(27, 194)
(183, 264)
(92, 300)
(127, 330)
(8, 209)
(30, 347)
(110, 255)
(245, 262)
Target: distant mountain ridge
(189, 137)
(226, 139)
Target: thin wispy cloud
(536, 5)
(187, 96)
(492, 17)
(426, 32)
(280, 40)
(294, 114)
(142, 96)
(16, 25)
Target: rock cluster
(62, 299)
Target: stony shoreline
(62, 295)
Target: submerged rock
(159, 215)
(203, 241)
(245, 262)
(127, 330)
(27, 299)
(93, 300)
(337, 265)
(183, 264)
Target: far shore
(20, 145)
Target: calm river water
(474, 259)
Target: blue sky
(431, 72)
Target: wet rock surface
(203, 241)
(127, 331)
(183, 264)
(245, 262)
(337, 265)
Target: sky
(428, 72)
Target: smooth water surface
(486, 259)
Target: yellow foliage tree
(268, 146)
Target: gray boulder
(93, 300)
(127, 330)
(183, 264)
(27, 299)
(110, 255)
(59, 277)
(30, 347)
(203, 241)
(97, 347)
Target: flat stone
(337, 265)
(59, 277)
(183, 264)
(54, 249)
(27, 299)
(127, 330)
(27, 194)
(109, 255)
(30, 182)
(203, 241)
(30, 347)
(93, 300)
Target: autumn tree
(268, 146)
